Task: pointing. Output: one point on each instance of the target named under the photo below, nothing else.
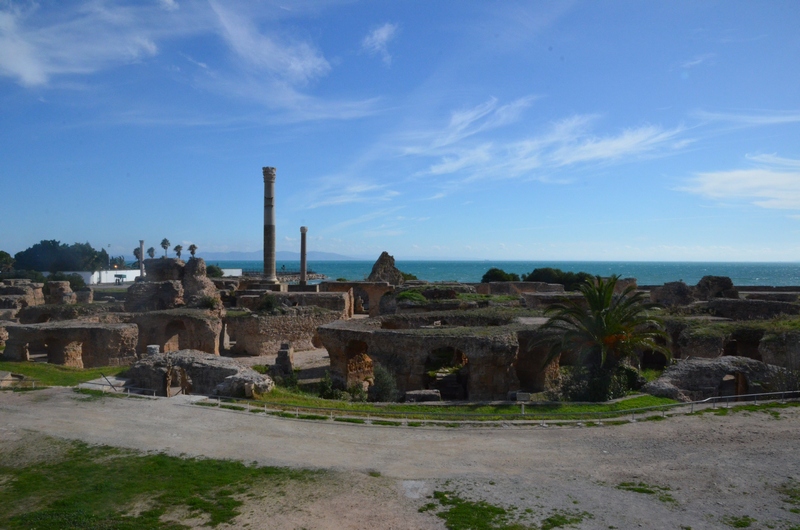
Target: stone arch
(63, 351)
(447, 370)
(172, 335)
(44, 317)
(359, 364)
(653, 360)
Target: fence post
(523, 409)
(755, 399)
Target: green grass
(791, 492)
(98, 487)
(660, 492)
(281, 397)
(744, 521)
(56, 375)
(767, 408)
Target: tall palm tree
(151, 252)
(165, 245)
(604, 328)
(137, 253)
(178, 249)
(192, 249)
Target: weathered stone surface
(781, 349)
(737, 309)
(776, 297)
(489, 371)
(154, 296)
(710, 287)
(694, 379)
(74, 343)
(370, 293)
(384, 270)
(284, 363)
(500, 288)
(85, 295)
(8, 314)
(672, 294)
(339, 302)
(3, 331)
(60, 293)
(197, 287)
(421, 396)
(47, 313)
(263, 334)
(178, 329)
(539, 300)
(200, 373)
(18, 294)
(163, 269)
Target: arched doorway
(447, 370)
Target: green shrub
(269, 303)
(76, 281)
(327, 390)
(408, 276)
(34, 276)
(209, 302)
(499, 275)
(384, 387)
(570, 280)
(357, 392)
(214, 271)
(341, 279)
(412, 296)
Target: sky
(487, 130)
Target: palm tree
(165, 245)
(604, 329)
(178, 249)
(151, 252)
(192, 249)
(137, 253)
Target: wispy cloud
(776, 184)
(698, 60)
(169, 5)
(749, 119)
(376, 42)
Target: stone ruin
(384, 270)
(196, 372)
(171, 283)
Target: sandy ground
(714, 466)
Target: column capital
(269, 174)
(303, 229)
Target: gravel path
(714, 466)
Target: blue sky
(465, 130)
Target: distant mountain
(281, 255)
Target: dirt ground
(716, 467)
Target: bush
(76, 281)
(596, 385)
(34, 276)
(412, 296)
(499, 275)
(214, 271)
(209, 302)
(570, 280)
(341, 279)
(268, 304)
(327, 390)
(384, 387)
(408, 276)
(357, 392)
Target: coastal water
(646, 273)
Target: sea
(645, 272)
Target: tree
(117, 262)
(604, 329)
(137, 253)
(52, 256)
(499, 275)
(151, 252)
(165, 245)
(571, 281)
(192, 249)
(178, 249)
(6, 261)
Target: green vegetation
(572, 281)
(6, 261)
(178, 249)
(791, 492)
(209, 302)
(214, 271)
(462, 514)
(496, 298)
(103, 487)
(165, 245)
(407, 276)
(192, 249)
(412, 295)
(660, 492)
(384, 386)
(604, 329)
(56, 375)
(499, 275)
(55, 256)
(34, 276)
(295, 399)
(738, 522)
(76, 281)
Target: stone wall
(154, 296)
(490, 358)
(18, 294)
(736, 309)
(73, 343)
(263, 334)
(178, 329)
(501, 288)
(60, 293)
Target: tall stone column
(303, 279)
(269, 225)
(141, 258)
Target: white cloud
(376, 41)
(765, 118)
(767, 187)
(698, 60)
(169, 5)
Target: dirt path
(714, 466)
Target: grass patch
(791, 492)
(660, 492)
(56, 375)
(350, 420)
(98, 487)
(745, 521)
(291, 399)
(560, 519)
(232, 407)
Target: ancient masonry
(269, 225)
